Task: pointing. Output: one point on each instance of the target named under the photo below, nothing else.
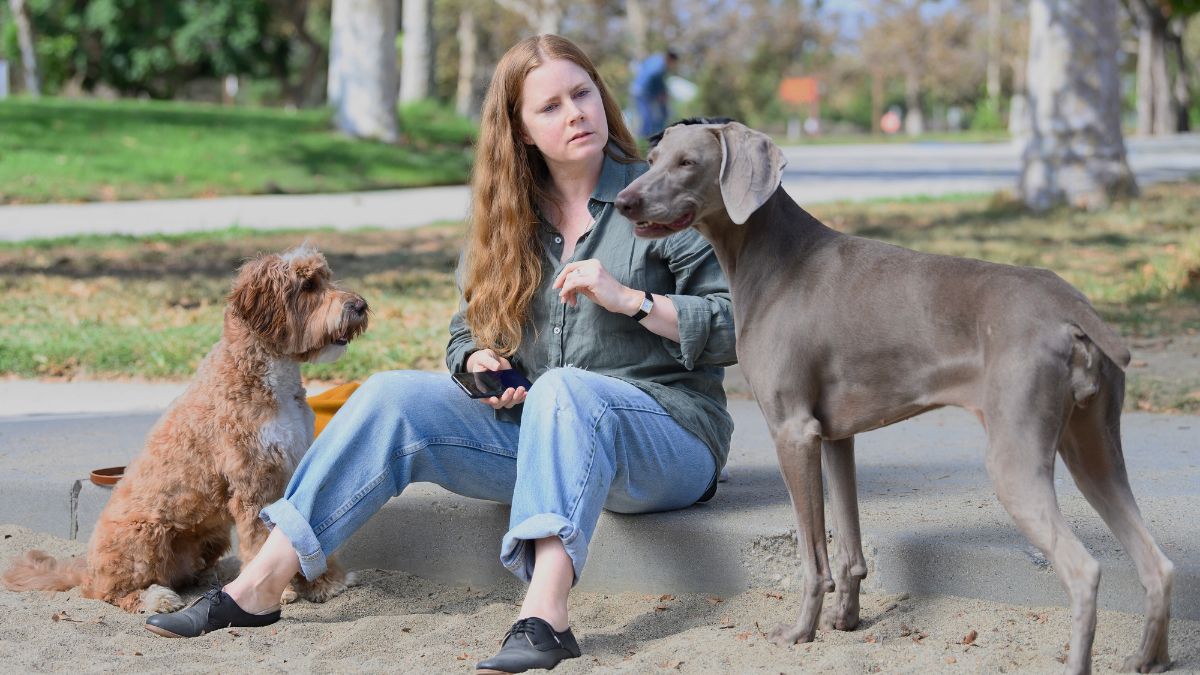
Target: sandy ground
(397, 622)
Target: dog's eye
(307, 286)
(686, 162)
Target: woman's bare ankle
(253, 598)
(556, 617)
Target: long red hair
(503, 260)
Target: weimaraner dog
(838, 335)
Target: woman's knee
(561, 388)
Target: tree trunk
(1156, 102)
(544, 16)
(993, 53)
(914, 119)
(1075, 152)
(467, 93)
(362, 68)
(636, 25)
(416, 63)
(1183, 75)
(29, 65)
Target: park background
(129, 127)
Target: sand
(397, 622)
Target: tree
(466, 92)
(29, 62)
(416, 64)
(1163, 91)
(544, 16)
(1075, 152)
(362, 68)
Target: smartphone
(488, 383)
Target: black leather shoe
(212, 611)
(530, 643)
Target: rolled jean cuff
(283, 515)
(516, 549)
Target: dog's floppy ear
(751, 169)
(257, 297)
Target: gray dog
(838, 335)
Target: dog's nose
(356, 305)
(628, 202)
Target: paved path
(814, 174)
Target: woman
(624, 338)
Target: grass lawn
(121, 306)
(61, 150)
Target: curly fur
(222, 451)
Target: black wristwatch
(644, 309)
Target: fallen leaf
(62, 616)
(744, 635)
(969, 638)
(137, 653)
(666, 598)
(660, 608)
(773, 594)
(670, 665)
(951, 659)
(234, 633)
(405, 629)
(870, 638)
(905, 630)
(714, 600)
(462, 657)
(726, 622)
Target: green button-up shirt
(684, 377)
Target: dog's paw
(161, 599)
(327, 586)
(1138, 663)
(351, 579)
(289, 595)
(786, 635)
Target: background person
(649, 91)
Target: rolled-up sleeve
(701, 298)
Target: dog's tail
(1101, 334)
(40, 571)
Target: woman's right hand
(486, 359)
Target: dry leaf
(660, 608)
(137, 653)
(744, 635)
(969, 638)
(773, 594)
(670, 665)
(405, 629)
(666, 598)
(726, 622)
(951, 659)
(714, 600)
(905, 630)
(462, 657)
(870, 638)
(234, 633)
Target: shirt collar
(612, 178)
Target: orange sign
(799, 90)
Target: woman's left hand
(589, 278)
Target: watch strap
(644, 309)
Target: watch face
(647, 305)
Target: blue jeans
(585, 442)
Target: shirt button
(558, 240)
(557, 330)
